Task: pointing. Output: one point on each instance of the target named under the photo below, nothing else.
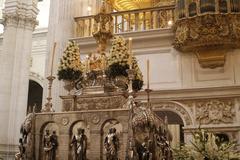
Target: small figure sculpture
(21, 153)
(47, 147)
(145, 153)
(26, 128)
(111, 145)
(163, 144)
(54, 144)
(79, 144)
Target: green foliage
(117, 69)
(206, 146)
(69, 74)
(137, 84)
(118, 63)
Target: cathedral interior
(119, 79)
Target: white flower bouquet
(70, 67)
(118, 62)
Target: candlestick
(130, 52)
(53, 54)
(148, 67)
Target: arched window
(35, 92)
(207, 6)
(222, 138)
(235, 5)
(181, 8)
(223, 6)
(192, 9)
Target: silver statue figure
(79, 145)
(50, 144)
(21, 154)
(111, 145)
(54, 144)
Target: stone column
(19, 21)
(60, 30)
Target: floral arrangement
(70, 67)
(118, 62)
(206, 146)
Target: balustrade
(129, 21)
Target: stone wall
(94, 122)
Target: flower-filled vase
(69, 86)
(118, 64)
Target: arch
(181, 8)
(223, 6)
(82, 122)
(235, 5)
(37, 78)
(207, 6)
(222, 138)
(192, 9)
(73, 131)
(51, 126)
(177, 108)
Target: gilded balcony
(208, 28)
(129, 21)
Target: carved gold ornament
(209, 34)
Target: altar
(100, 117)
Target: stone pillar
(60, 30)
(19, 21)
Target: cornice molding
(193, 93)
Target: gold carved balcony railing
(129, 21)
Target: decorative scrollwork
(215, 112)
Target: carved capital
(20, 15)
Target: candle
(103, 62)
(53, 54)
(130, 52)
(148, 74)
(86, 64)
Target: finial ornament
(103, 28)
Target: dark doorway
(35, 93)
(175, 125)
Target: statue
(111, 145)
(79, 144)
(146, 154)
(26, 127)
(54, 144)
(163, 144)
(21, 153)
(47, 147)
